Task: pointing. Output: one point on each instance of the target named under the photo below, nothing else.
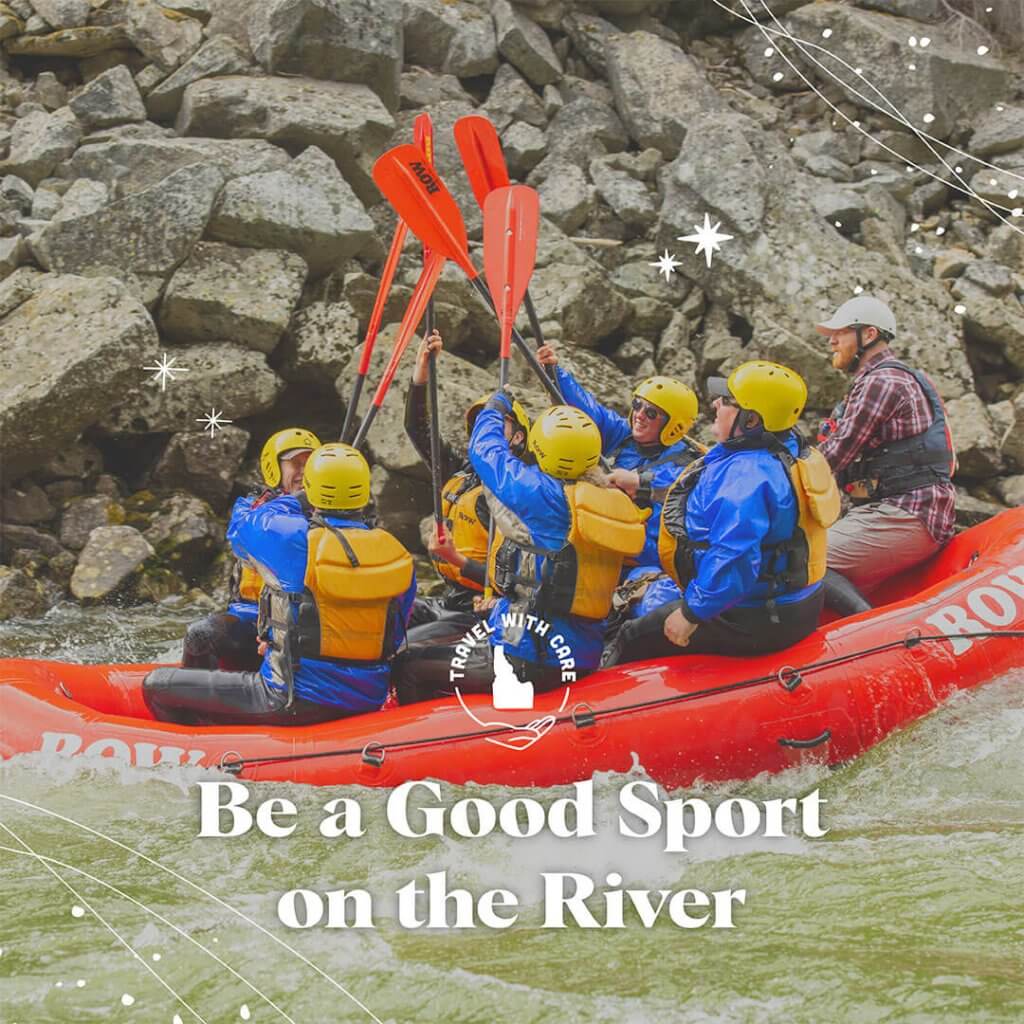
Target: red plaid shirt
(885, 406)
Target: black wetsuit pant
(423, 669)
(738, 631)
(454, 603)
(221, 641)
(196, 696)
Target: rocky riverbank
(187, 182)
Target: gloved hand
(264, 494)
(500, 401)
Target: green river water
(910, 909)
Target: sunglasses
(729, 402)
(641, 408)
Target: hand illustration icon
(521, 737)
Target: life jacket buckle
(374, 754)
(789, 678)
(583, 716)
(230, 762)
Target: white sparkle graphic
(213, 421)
(707, 238)
(165, 371)
(666, 264)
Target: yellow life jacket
(579, 578)
(250, 583)
(459, 498)
(348, 608)
(818, 502)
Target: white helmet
(865, 310)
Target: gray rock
(51, 391)
(206, 466)
(161, 35)
(20, 287)
(80, 43)
(346, 121)
(21, 596)
(583, 129)
(459, 384)
(78, 460)
(1006, 245)
(26, 504)
(201, 10)
(784, 267)
(14, 252)
(992, 185)
(589, 34)
(222, 292)
(82, 515)
(999, 130)
(841, 207)
(51, 92)
(60, 492)
(629, 198)
(423, 88)
(45, 203)
(308, 209)
(109, 99)
(993, 277)
(84, 197)
(63, 13)
(977, 446)
(566, 197)
(401, 502)
(133, 164)
(111, 557)
(525, 44)
(319, 344)
(512, 99)
(524, 147)
(16, 194)
(675, 357)
(658, 90)
(842, 146)
(1011, 441)
(343, 40)
(234, 380)
(147, 234)
(458, 39)
(39, 142)
(993, 321)
(633, 354)
(828, 167)
(1011, 490)
(14, 538)
(970, 511)
(950, 83)
(185, 534)
(919, 10)
(149, 78)
(217, 56)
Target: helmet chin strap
(861, 347)
(739, 431)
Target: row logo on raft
(141, 755)
(997, 603)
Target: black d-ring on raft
(807, 744)
(374, 754)
(231, 762)
(583, 715)
(789, 678)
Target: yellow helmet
(291, 440)
(518, 414)
(674, 399)
(565, 441)
(776, 393)
(337, 477)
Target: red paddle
(422, 200)
(484, 162)
(423, 136)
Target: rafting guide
(416, 810)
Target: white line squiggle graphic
(99, 917)
(209, 895)
(148, 910)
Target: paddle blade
(410, 321)
(423, 136)
(421, 199)
(511, 222)
(480, 149)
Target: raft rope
(582, 715)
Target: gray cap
(718, 387)
(864, 309)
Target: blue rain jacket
(274, 537)
(539, 501)
(743, 501)
(247, 611)
(658, 466)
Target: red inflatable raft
(941, 628)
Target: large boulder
(458, 38)
(81, 43)
(319, 344)
(128, 164)
(343, 40)
(185, 534)
(307, 208)
(347, 121)
(217, 56)
(632, 203)
(999, 130)
(977, 446)
(21, 596)
(162, 35)
(784, 269)
(525, 44)
(949, 83)
(109, 560)
(658, 89)
(40, 141)
(222, 292)
(204, 465)
(60, 14)
(50, 390)
(460, 383)
(146, 234)
(998, 322)
(25, 504)
(109, 99)
(82, 515)
(234, 380)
